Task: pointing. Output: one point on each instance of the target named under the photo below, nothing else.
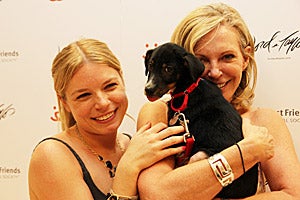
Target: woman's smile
(221, 85)
(106, 116)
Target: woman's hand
(151, 144)
(148, 146)
(257, 139)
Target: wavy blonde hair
(69, 60)
(204, 19)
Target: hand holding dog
(152, 143)
(257, 139)
(148, 146)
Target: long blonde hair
(204, 19)
(69, 60)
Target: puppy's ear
(195, 66)
(147, 59)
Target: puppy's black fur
(213, 122)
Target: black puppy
(213, 121)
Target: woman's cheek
(204, 74)
(83, 109)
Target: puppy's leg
(201, 155)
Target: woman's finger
(143, 128)
(173, 130)
(170, 141)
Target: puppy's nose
(149, 86)
(148, 90)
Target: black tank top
(96, 193)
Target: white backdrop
(33, 31)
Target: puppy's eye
(169, 69)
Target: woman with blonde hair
(90, 159)
(219, 37)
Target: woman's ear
(247, 51)
(64, 103)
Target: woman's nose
(101, 101)
(214, 71)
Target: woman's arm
(196, 180)
(54, 172)
(283, 170)
(148, 146)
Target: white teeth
(104, 117)
(221, 85)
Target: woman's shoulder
(270, 119)
(50, 144)
(264, 116)
(260, 111)
(153, 112)
(51, 164)
(153, 106)
(50, 152)
(51, 161)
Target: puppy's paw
(201, 155)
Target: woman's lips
(221, 85)
(105, 117)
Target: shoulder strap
(97, 194)
(69, 147)
(128, 135)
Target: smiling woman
(219, 37)
(89, 159)
(99, 102)
(224, 61)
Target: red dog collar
(186, 96)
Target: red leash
(183, 158)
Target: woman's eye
(81, 96)
(111, 86)
(203, 60)
(228, 57)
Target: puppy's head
(169, 66)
